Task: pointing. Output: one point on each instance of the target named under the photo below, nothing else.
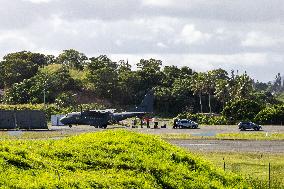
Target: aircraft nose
(64, 120)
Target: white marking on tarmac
(196, 144)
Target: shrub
(241, 110)
(206, 119)
(271, 115)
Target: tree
(103, 76)
(15, 71)
(198, 86)
(212, 78)
(171, 73)
(72, 59)
(128, 84)
(222, 91)
(276, 86)
(260, 86)
(65, 99)
(242, 87)
(18, 66)
(150, 73)
(39, 59)
(242, 110)
(40, 88)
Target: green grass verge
(251, 136)
(107, 159)
(253, 166)
(15, 135)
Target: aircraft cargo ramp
(22, 119)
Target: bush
(205, 119)
(271, 115)
(241, 110)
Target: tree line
(71, 77)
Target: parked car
(185, 123)
(244, 125)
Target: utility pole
(44, 93)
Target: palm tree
(198, 86)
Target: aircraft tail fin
(147, 104)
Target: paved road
(211, 130)
(202, 131)
(231, 145)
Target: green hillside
(72, 79)
(107, 159)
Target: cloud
(258, 39)
(229, 11)
(204, 34)
(190, 35)
(158, 3)
(15, 41)
(38, 1)
(252, 63)
(161, 45)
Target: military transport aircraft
(102, 118)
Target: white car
(186, 123)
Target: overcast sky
(202, 34)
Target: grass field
(107, 159)
(253, 166)
(251, 136)
(57, 160)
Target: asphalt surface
(201, 131)
(203, 144)
(223, 145)
(231, 145)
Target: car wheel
(243, 129)
(256, 129)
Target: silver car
(186, 123)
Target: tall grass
(254, 167)
(107, 159)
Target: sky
(240, 35)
